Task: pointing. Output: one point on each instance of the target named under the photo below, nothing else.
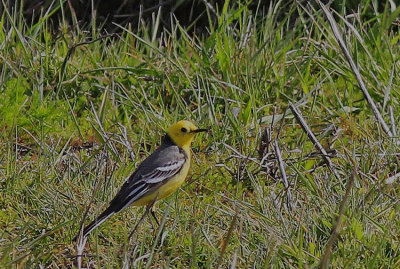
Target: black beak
(200, 130)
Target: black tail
(94, 224)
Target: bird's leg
(149, 208)
(139, 222)
(152, 212)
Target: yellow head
(183, 132)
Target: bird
(158, 176)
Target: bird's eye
(184, 130)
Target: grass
(69, 129)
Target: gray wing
(159, 167)
(154, 171)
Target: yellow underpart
(169, 187)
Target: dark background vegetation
(191, 15)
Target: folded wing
(154, 171)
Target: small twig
(240, 155)
(312, 137)
(80, 246)
(338, 224)
(265, 141)
(354, 68)
(393, 121)
(266, 138)
(281, 124)
(285, 180)
(226, 240)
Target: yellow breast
(169, 187)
